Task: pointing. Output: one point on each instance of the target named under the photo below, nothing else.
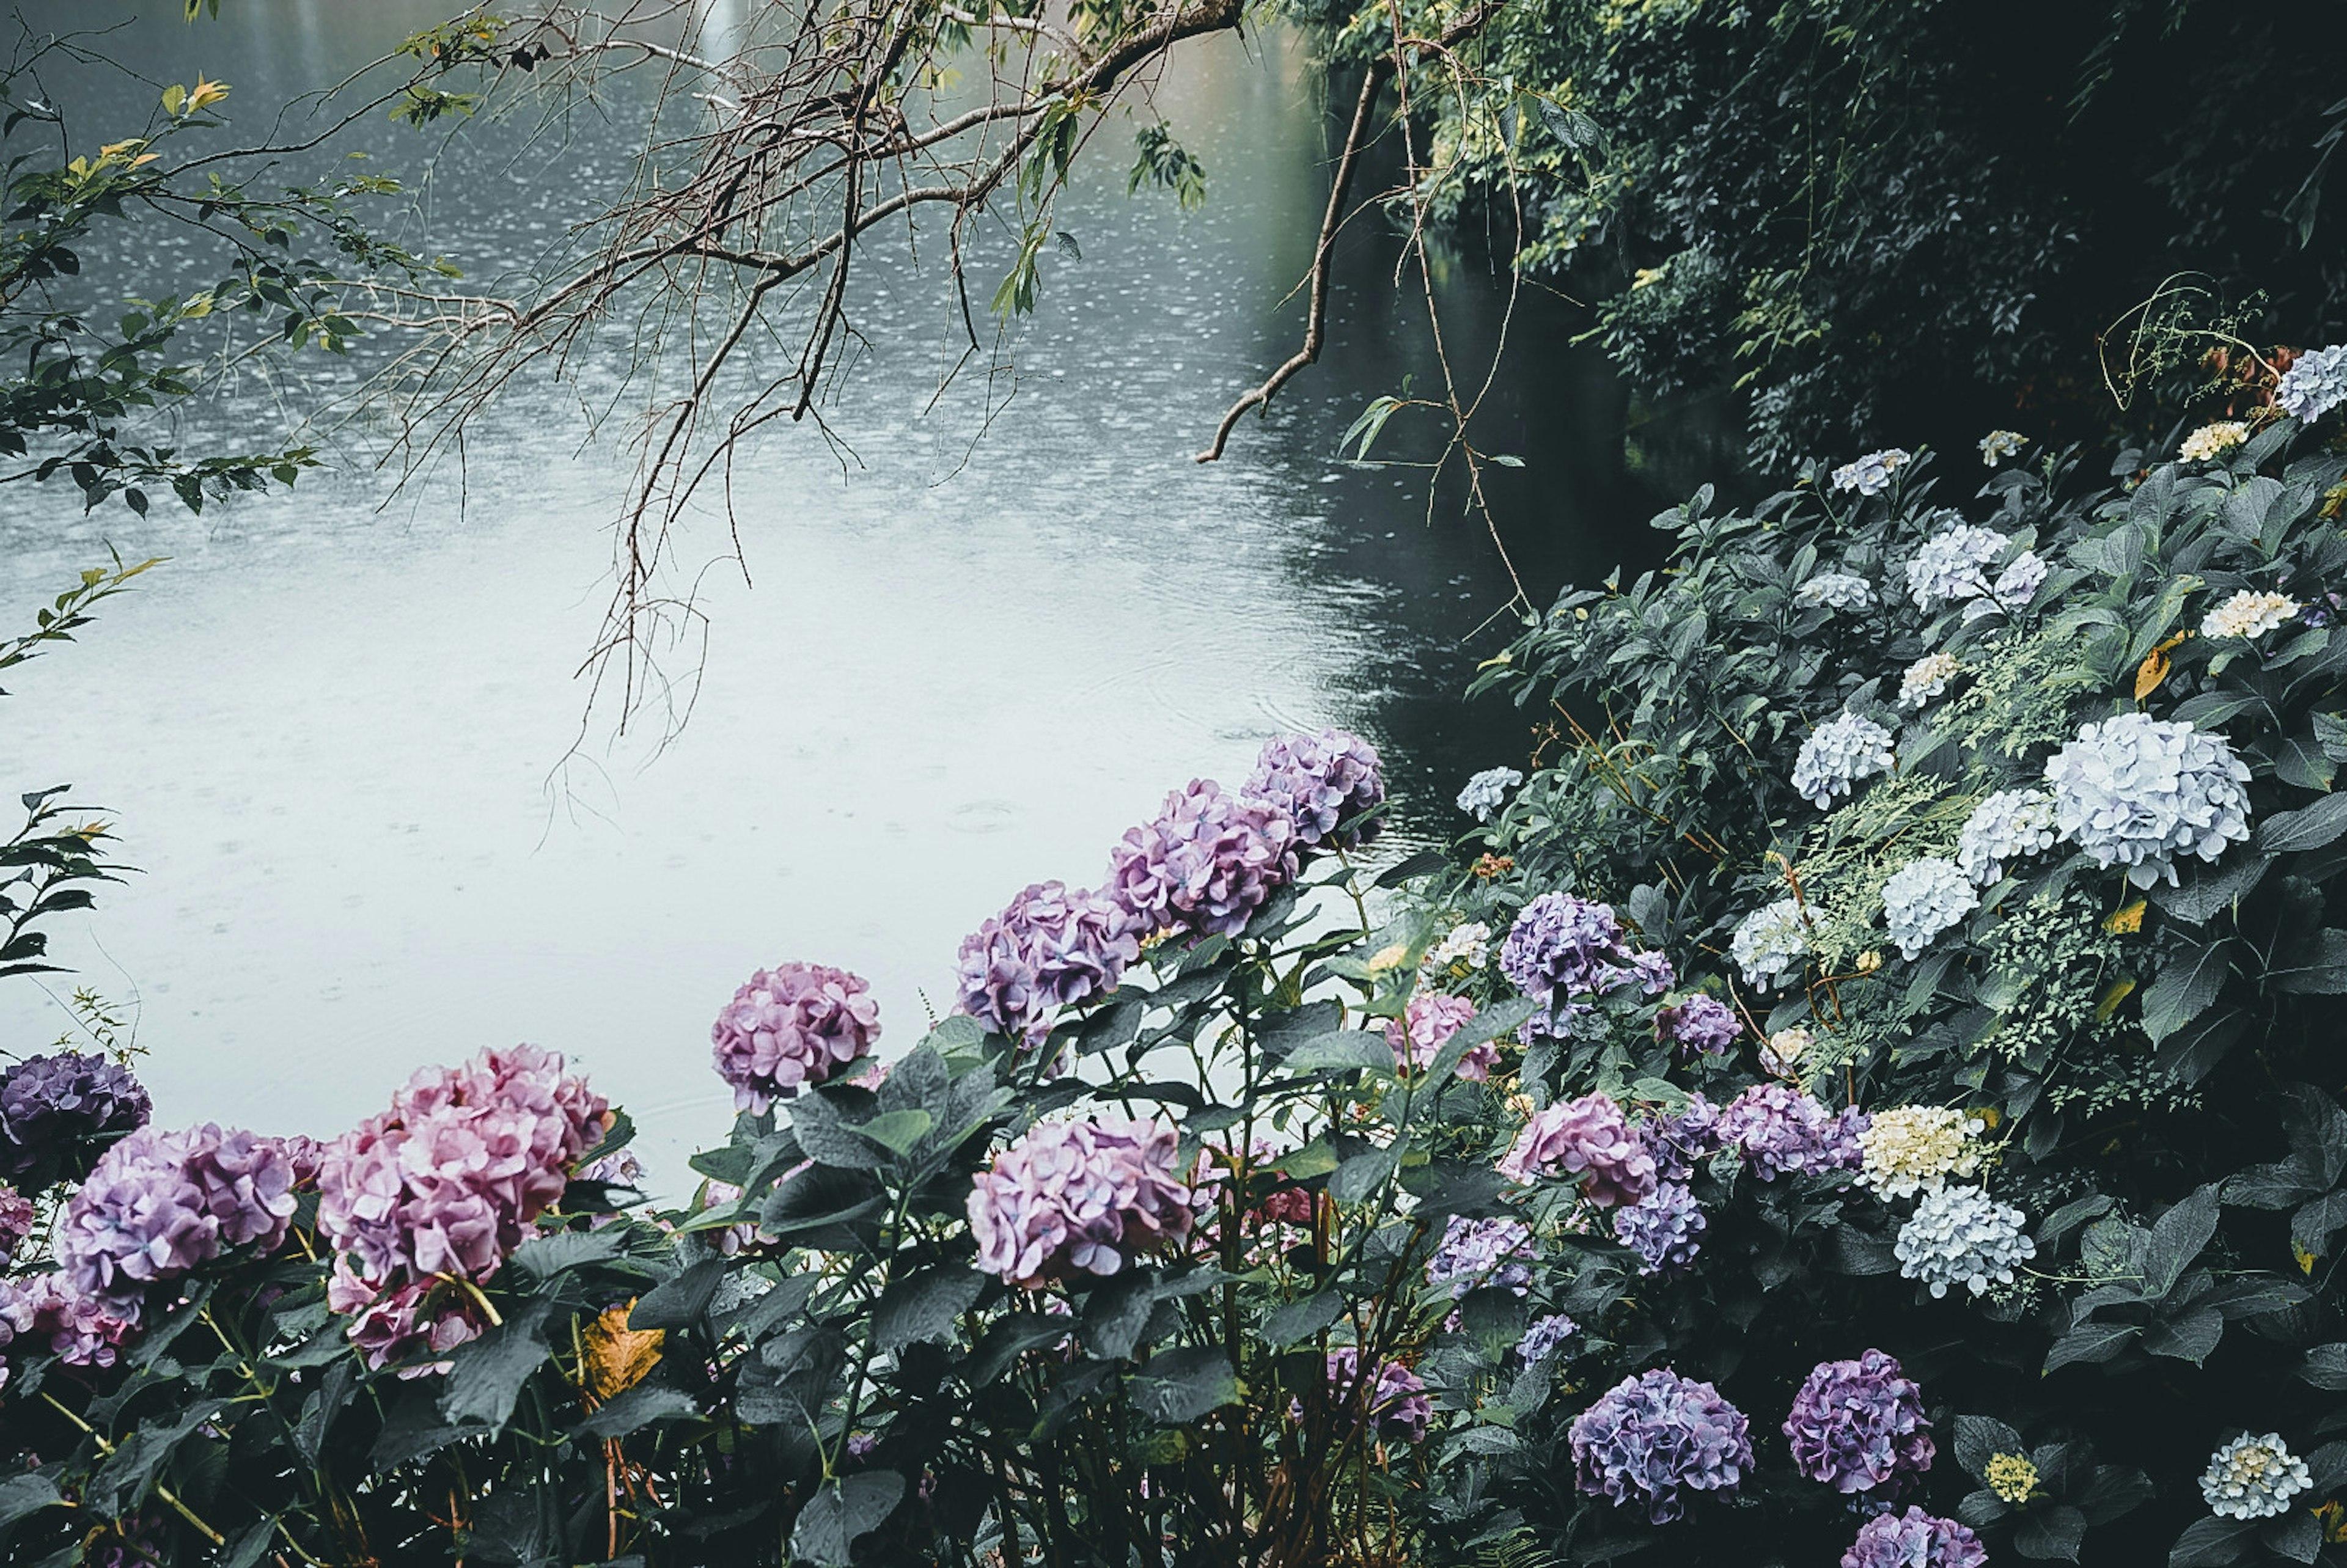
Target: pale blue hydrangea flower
(1923, 898)
(1487, 791)
(1837, 755)
(1998, 445)
(1769, 941)
(2314, 385)
(1961, 1236)
(2014, 587)
(1871, 475)
(2253, 1477)
(2010, 824)
(2137, 790)
(1544, 1336)
(1927, 678)
(1836, 590)
(1953, 565)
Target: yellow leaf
(2305, 1258)
(1989, 1117)
(1497, 659)
(2154, 668)
(2128, 921)
(2118, 993)
(205, 94)
(117, 148)
(618, 1357)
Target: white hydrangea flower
(2213, 441)
(1999, 444)
(1871, 475)
(1923, 898)
(1927, 678)
(1954, 564)
(1782, 1051)
(1836, 590)
(2018, 583)
(2314, 385)
(2251, 615)
(1469, 943)
(1913, 1149)
(2010, 824)
(2253, 1477)
(1769, 941)
(1961, 1236)
(2137, 790)
(1487, 791)
(1837, 755)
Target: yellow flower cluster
(1913, 1149)
(2012, 1477)
(2213, 440)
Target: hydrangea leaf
(843, 1512)
(485, 1376)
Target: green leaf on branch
(485, 1375)
(1180, 1386)
(843, 1512)
(925, 1305)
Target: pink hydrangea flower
(1587, 1137)
(1205, 864)
(1079, 1197)
(792, 1027)
(1427, 1025)
(158, 1204)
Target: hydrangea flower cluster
(1923, 898)
(1837, 755)
(1496, 1252)
(158, 1204)
(1586, 1138)
(58, 1112)
(1998, 445)
(1871, 475)
(1782, 1051)
(1487, 791)
(1321, 782)
(1914, 1540)
(1961, 1236)
(16, 1319)
(1399, 1407)
(447, 1182)
(17, 1220)
(793, 1027)
(2010, 824)
(2213, 441)
(2250, 615)
(1205, 864)
(1836, 590)
(1770, 941)
(1425, 1026)
(2253, 1477)
(1650, 1437)
(1779, 1130)
(1078, 1197)
(2314, 385)
(1051, 950)
(1563, 947)
(1860, 1425)
(1665, 1228)
(1702, 1025)
(1465, 948)
(81, 1330)
(1652, 972)
(1544, 1336)
(1912, 1149)
(1927, 678)
(1953, 565)
(2014, 586)
(2137, 790)
(1676, 1141)
(2012, 1477)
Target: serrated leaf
(843, 1512)
(1181, 1386)
(637, 1408)
(1298, 1321)
(925, 1305)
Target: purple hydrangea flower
(1425, 1026)
(1563, 947)
(1320, 781)
(1544, 1336)
(1653, 972)
(1051, 950)
(1676, 1141)
(1858, 1425)
(1586, 1138)
(1495, 1252)
(1665, 1228)
(792, 1027)
(1781, 1131)
(1078, 1197)
(57, 1114)
(17, 1220)
(1702, 1025)
(1398, 1405)
(1914, 1540)
(1654, 1434)
(160, 1203)
(1205, 866)
(81, 1330)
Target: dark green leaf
(2176, 1238)
(679, 1303)
(2046, 1533)
(1344, 1051)
(637, 1407)
(2297, 1535)
(1298, 1321)
(925, 1305)
(1179, 1386)
(2211, 1543)
(485, 1376)
(24, 1494)
(2186, 985)
(2326, 1367)
(842, 1512)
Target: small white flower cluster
(2253, 1477)
(2213, 441)
(1923, 898)
(1782, 1051)
(1927, 678)
(1998, 445)
(1769, 941)
(1871, 475)
(1954, 564)
(1837, 755)
(1469, 943)
(1913, 1149)
(1487, 791)
(2010, 824)
(1961, 1236)
(1836, 590)
(2314, 385)
(2251, 615)
(2137, 790)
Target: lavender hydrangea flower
(793, 1027)
(1961, 1236)
(1923, 898)
(2137, 790)
(2010, 824)
(2254, 1477)
(1049, 950)
(1770, 941)
(1425, 1026)
(1653, 972)
(1563, 947)
(1475, 1254)
(2016, 585)
(82, 1330)
(1588, 1138)
(1860, 1425)
(1914, 1540)
(17, 1217)
(1836, 590)
(1652, 1436)
(1487, 791)
(1871, 475)
(1953, 565)
(1702, 1025)
(1544, 1336)
(1779, 1132)
(1399, 1408)
(1078, 1197)
(57, 1114)
(1205, 866)
(1838, 755)
(1676, 1141)
(1320, 781)
(158, 1204)
(2314, 385)
(1665, 1228)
